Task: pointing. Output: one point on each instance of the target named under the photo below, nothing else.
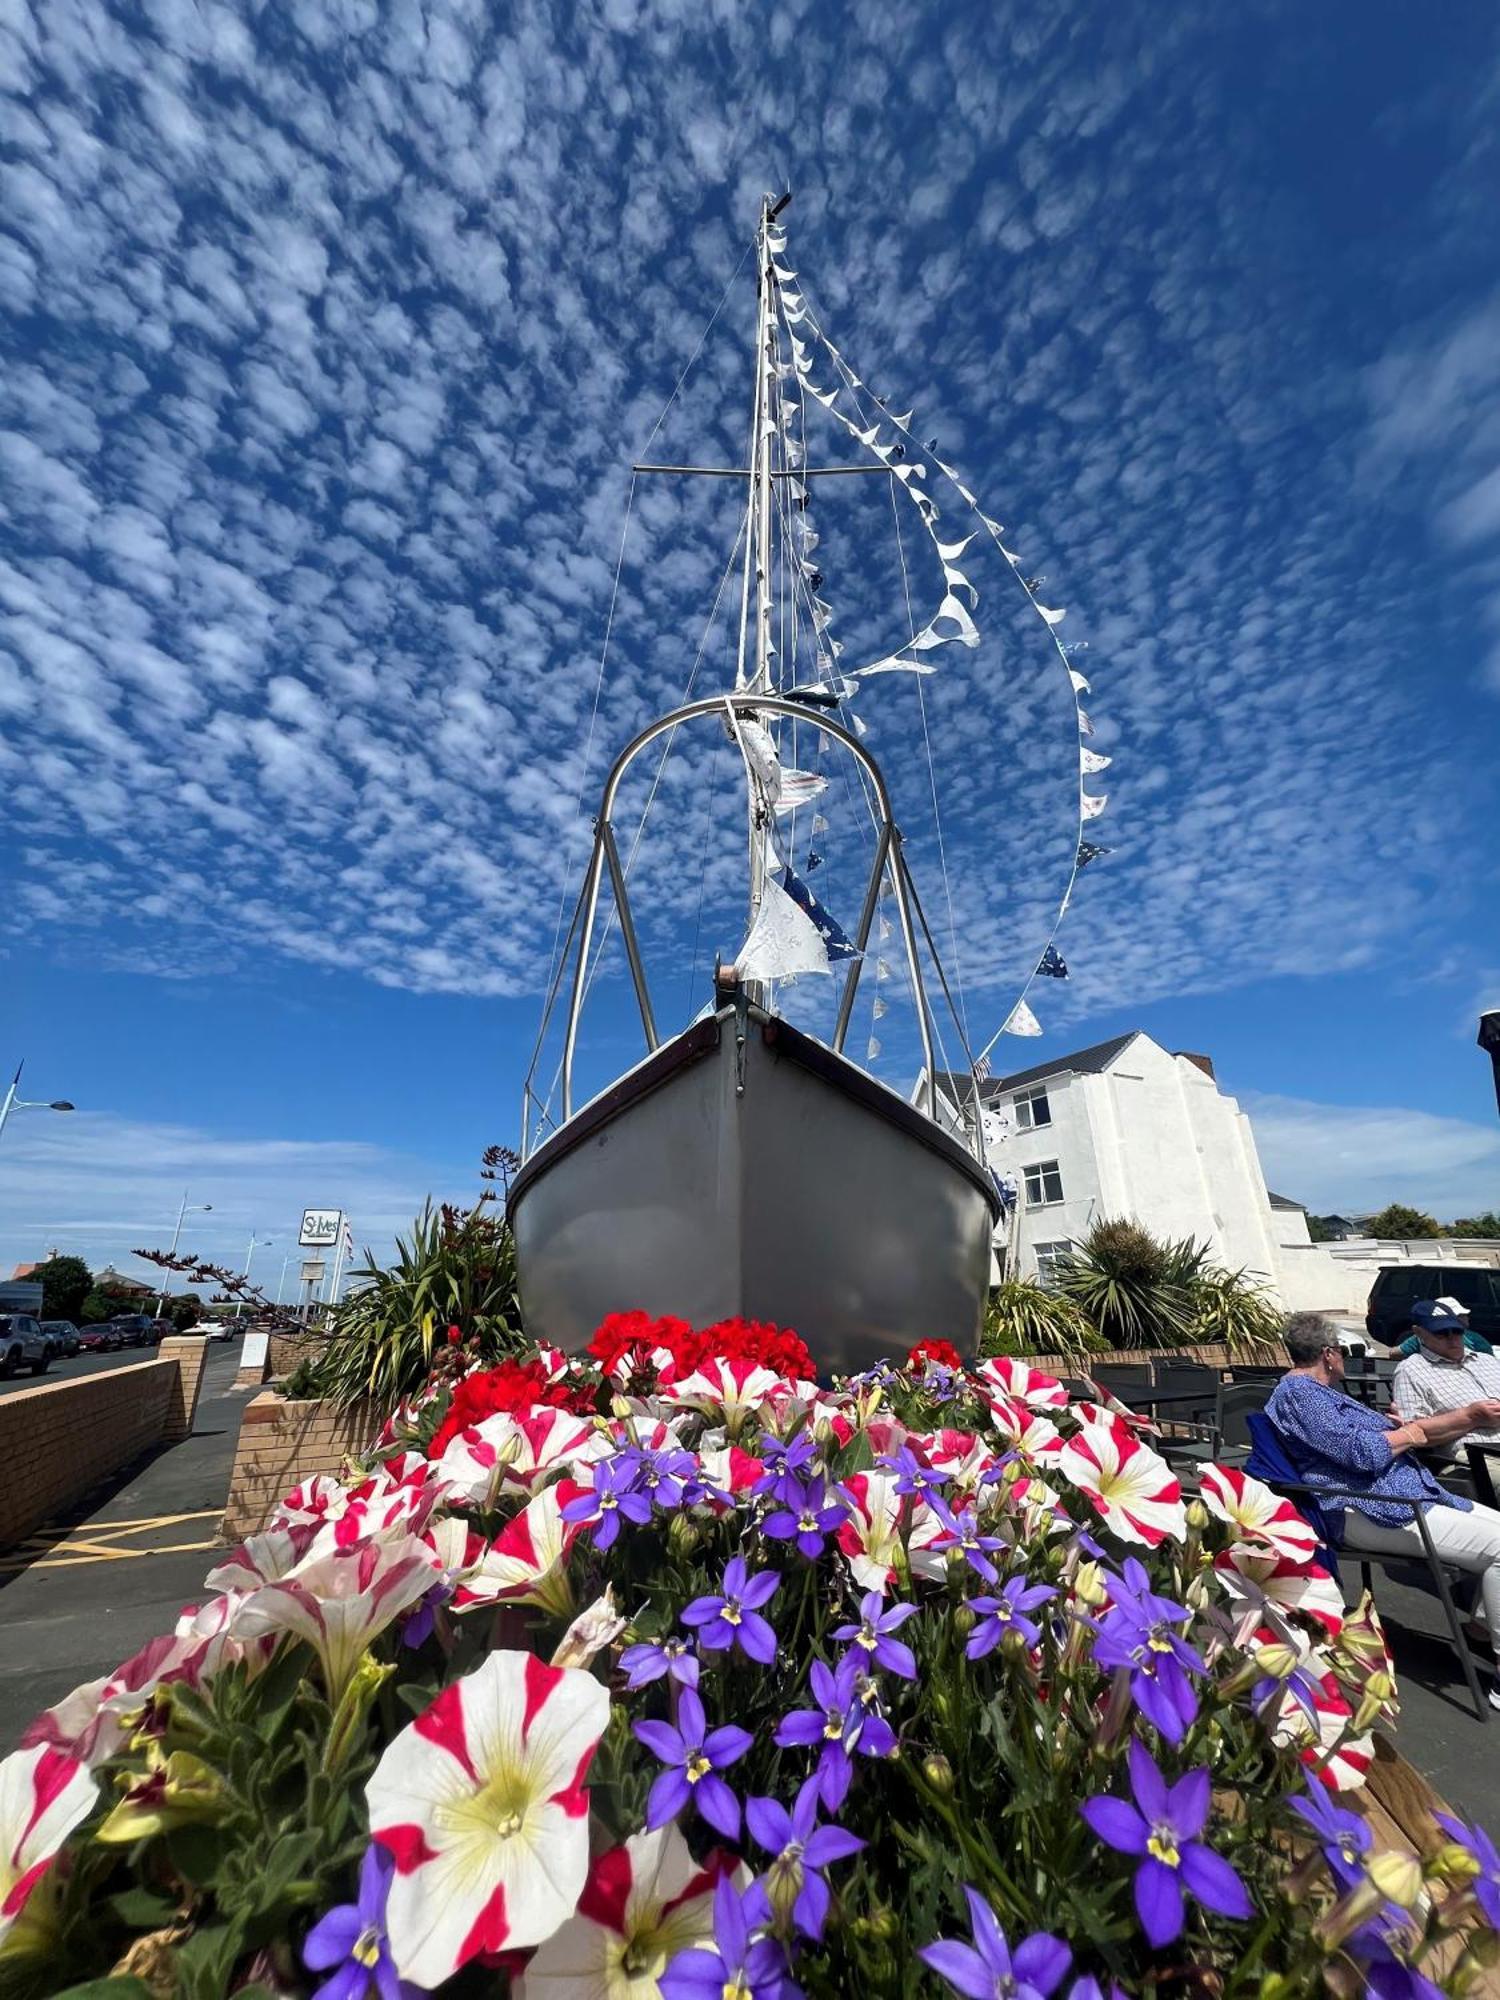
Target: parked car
(103, 1337)
(140, 1329)
(1397, 1289)
(216, 1329)
(23, 1344)
(63, 1335)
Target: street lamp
(255, 1243)
(281, 1281)
(14, 1103)
(199, 1208)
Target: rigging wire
(937, 815)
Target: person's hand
(1485, 1413)
(1414, 1432)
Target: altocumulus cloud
(1353, 1157)
(330, 332)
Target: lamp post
(199, 1208)
(14, 1103)
(281, 1281)
(255, 1243)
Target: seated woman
(1340, 1444)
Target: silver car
(23, 1345)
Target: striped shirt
(1336, 1441)
(1427, 1383)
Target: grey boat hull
(745, 1168)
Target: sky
(331, 332)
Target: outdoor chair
(1124, 1381)
(1238, 1402)
(1185, 1405)
(1268, 1373)
(1308, 1501)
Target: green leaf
(117, 1987)
(144, 1910)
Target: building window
(1047, 1255)
(1043, 1184)
(1032, 1108)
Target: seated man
(1475, 1342)
(1446, 1375)
(1339, 1444)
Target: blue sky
(330, 333)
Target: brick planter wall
(281, 1444)
(60, 1439)
(1213, 1354)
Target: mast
(753, 670)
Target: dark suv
(1396, 1291)
(138, 1329)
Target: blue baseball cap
(1439, 1316)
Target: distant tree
(66, 1282)
(1397, 1221)
(97, 1306)
(186, 1309)
(1320, 1229)
(1487, 1224)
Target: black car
(63, 1335)
(138, 1329)
(1397, 1289)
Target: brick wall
(281, 1444)
(288, 1349)
(1214, 1354)
(190, 1352)
(61, 1438)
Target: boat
(745, 1166)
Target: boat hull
(746, 1169)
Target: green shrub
(1023, 1317)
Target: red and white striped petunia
(1256, 1577)
(643, 1904)
(1134, 1491)
(1258, 1516)
(527, 1561)
(341, 1602)
(1012, 1379)
(870, 1536)
(1341, 1761)
(734, 1386)
(1024, 1428)
(43, 1795)
(481, 1804)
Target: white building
(1128, 1128)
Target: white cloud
(100, 1187)
(1352, 1159)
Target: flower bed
(669, 1671)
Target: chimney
(1205, 1063)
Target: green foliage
(1320, 1229)
(186, 1309)
(1023, 1317)
(99, 1305)
(1396, 1220)
(457, 1268)
(1487, 1224)
(66, 1282)
(1135, 1290)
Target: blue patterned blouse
(1340, 1442)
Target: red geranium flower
(941, 1351)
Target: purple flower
(749, 1968)
(809, 1514)
(1300, 1686)
(871, 1636)
(350, 1940)
(1486, 1884)
(845, 1720)
(1136, 1633)
(802, 1850)
(615, 1495)
(1344, 1837)
(694, 1760)
(1162, 1827)
(732, 1618)
(988, 1969)
(787, 1465)
(1087, 1987)
(913, 1475)
(669, 1479)
(961, 1532)
(653, 1658)
(1006, 1613)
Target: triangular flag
(1092, 760)
(1052, 964)
(872, 1049)
(1088, 851)
(838, 945)
(880, 1010)
(783, 941)
(1021, 1021)
(1090, 808)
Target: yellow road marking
(73, 1559)
(146, 1521)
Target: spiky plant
(1229, 1306)
(1023, 1317)
(457, 1268)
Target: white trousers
(1469, 1541)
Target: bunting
(1021, 1021)
(784, 942)
(1051, 964)
(835, 941)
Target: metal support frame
(889, 862)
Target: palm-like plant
(1023, 1317)
(1135, 1290)
(1231, 1307)
(457, 1268)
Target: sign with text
(320, 1228)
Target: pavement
(82, 1595)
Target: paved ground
(82, 1596)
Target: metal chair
(1123, 1380)
(1237, 1401)
(1185, 1404)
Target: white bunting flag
(784, 942)
(1021, 1021)
(1093, 760)
(1090, 808)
